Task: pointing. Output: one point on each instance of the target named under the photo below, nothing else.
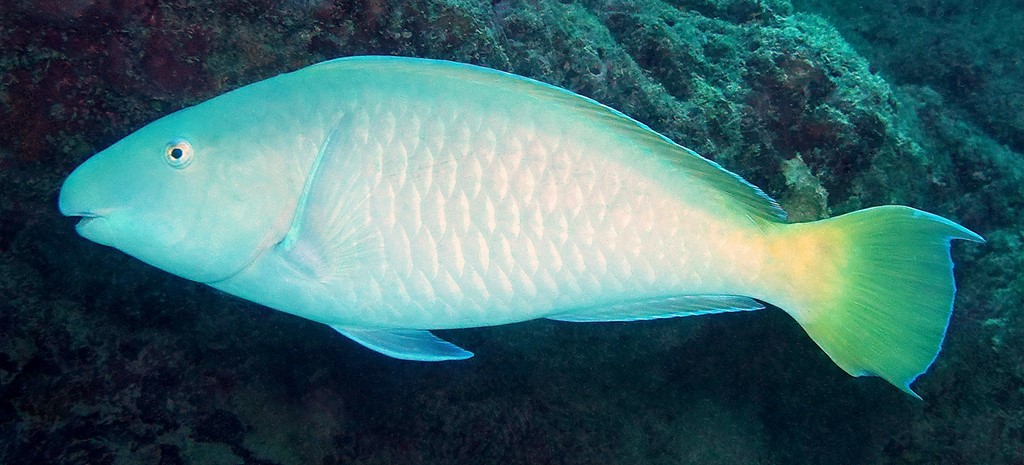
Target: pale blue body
(386, 197)
(380, 193)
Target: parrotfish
(386, 197)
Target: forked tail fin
(873, 288)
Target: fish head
(197, 193)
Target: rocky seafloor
(829, 106)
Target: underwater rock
(960, 49)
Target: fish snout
(83, 195)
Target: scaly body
(461, 207)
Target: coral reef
(106, 360)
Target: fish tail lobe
(873, 288)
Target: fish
(387, 197)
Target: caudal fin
(874, 288)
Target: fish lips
(94, 225)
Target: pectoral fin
(662, 307)
(331, 233)
(406, 344)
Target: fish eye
(178, 153)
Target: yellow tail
(873, 288)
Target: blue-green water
(829, 106)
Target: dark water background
(828, 105)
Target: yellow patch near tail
(807, 263)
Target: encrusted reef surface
(106, 360)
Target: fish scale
(460, 219)
(386, 197)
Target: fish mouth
(87, 217)
(93, 226)
(84, 215)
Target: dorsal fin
(749, 198)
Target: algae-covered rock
(106, 360)
(963, 50)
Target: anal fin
(406, 344)
(661, 307)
